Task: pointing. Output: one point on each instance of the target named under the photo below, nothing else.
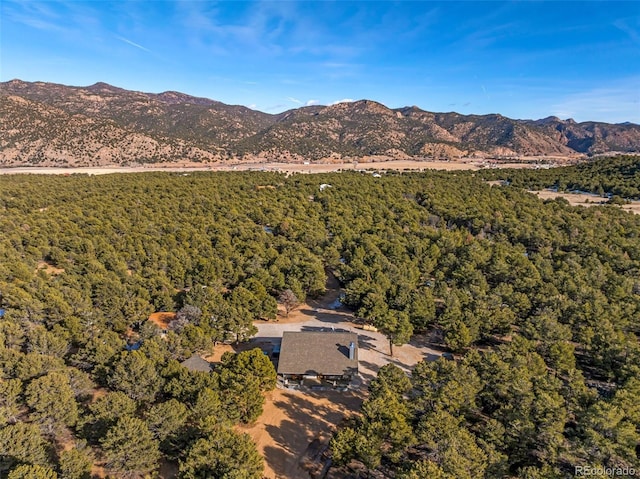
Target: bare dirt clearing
(584, 199)
(48, 268)
(456, 165)
(162, 319)
(296, 426)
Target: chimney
(352, 350)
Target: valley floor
(454, 165)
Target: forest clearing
(585, 199)
(296, 423)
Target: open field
(584, 199)
(456, 165)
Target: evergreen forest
(539, 302)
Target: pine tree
(129, 448)
(222, 454)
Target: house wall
(299, 381)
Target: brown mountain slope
(202, 122)
(33, 133)
(591, 137)
(45, 123)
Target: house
(318, 360)
(197, 363)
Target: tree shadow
(367, 366)
(306, 429)
(265, 343)
(329, 329)
(341, 315)
(366, 342)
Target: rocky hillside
(50, 124)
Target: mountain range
(49, 124)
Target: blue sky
(527, 59)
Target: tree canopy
(547, 292)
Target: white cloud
(125, 40)
(311, 102)
(615, 103)
(294, 100)
(345, 100)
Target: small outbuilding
(197, 363)
(318, 360)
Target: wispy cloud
(311, 102)
(345, 100)
(623, 26)
(616, 103)
(134, 44)
(260, 29)
(294, 100)
(35, 15)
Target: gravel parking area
(295, 425)
(373, 346)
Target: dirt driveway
(296, 426)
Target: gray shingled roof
(196, 363)
(317, 353)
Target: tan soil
(48, 268)
(454, 165)
(297, 425)
(218, 351)
(579, 199)
(162, 319)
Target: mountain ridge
(56, 125)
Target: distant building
(318, 360)
(197, 363)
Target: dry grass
(218, 351)
(454, 165)
(579, 199)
